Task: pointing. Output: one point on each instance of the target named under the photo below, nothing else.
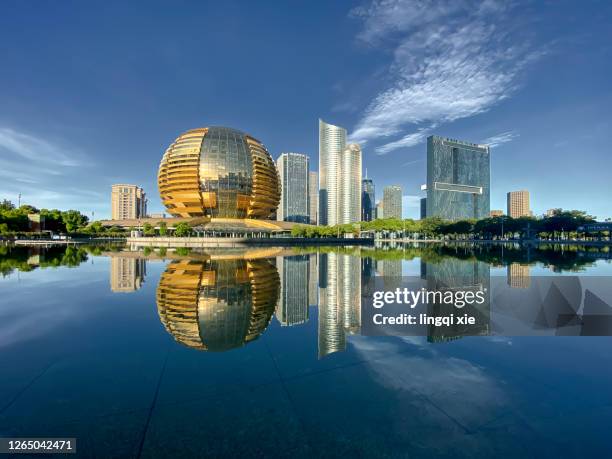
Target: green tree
(148, 230)
(182, 229)
(6, 205)
(74, 220)
(163, 228)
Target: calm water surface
(258, 353)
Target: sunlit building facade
(332, 143)
(293, 173)
(128, 201)
(518, 204)
(349, 208)
(458, 179)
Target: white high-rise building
(332, 142)
(349, 208)
(339, 177)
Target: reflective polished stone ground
(85, 354)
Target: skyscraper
(349, 202)
(518, 204)
(293, 173)
(368, 203)
(332, 142)
(313, 196)
(392, 201)
(128, 201)
(458, 179)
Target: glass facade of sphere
(218, 172)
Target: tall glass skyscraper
(458, 179)
(332, 142)
(349, 203)
(368, 202)
(293, 173)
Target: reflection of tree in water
(571, 258)
(217, 305)
(23, 258)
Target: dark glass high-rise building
(294, 204)
(458, 179)
(368, 202)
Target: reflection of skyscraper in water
(127, 274)
(217, 304)
(292, 306)
(339, 300)
(391, 272)
(313, 279)
(452, 274)
(518, 275)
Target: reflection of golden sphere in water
(216, 305)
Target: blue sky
(91, 93)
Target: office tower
(497, 213)
(332, 142)
(423, 208)
(128, 201)
(392, 201)
(368, 202)
(292, 308)
(313, 196)
(518, 204)
(380, 211)
(458, 179)
(349, 202)
(518, 275)
(293, 173)
(127, 274)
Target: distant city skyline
(79, 115)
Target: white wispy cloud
(45, 173)
(499, 139)
(451, 60)
(414, 161)
(20, 145)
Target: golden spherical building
(217, 304)
(218, 172)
